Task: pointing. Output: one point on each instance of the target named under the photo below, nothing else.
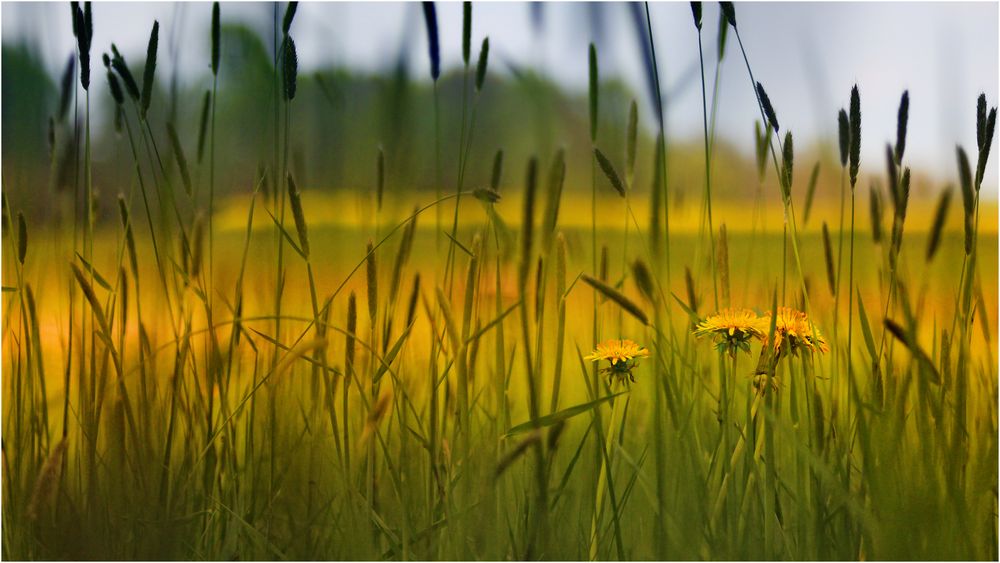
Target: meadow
(291, 372)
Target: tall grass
(453, 416)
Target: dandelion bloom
(732, 328)
(793, 332)
(622, 354)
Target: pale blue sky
(808, 55)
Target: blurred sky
(807, 55)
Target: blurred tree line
(338, 120)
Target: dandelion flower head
(793, 332)
(733, 329)
(622, 355)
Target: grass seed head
(828, 254)
(980, 121)
(765, 103)
(557, 176)
(129, 238)
(618, 297)
(855, 122)
(729, 11)
(433, 49)
(940, 216)
(984, 151)
(175, 143)
(411, 309)
(811, 191)
(901, 119)
(402, 255)
(593, 92)
(290, 68)
(372, 279)
(844, 130)
(295, 198)
(609, 171)
(203, 123)
(121, 67)
(893, 174)
(149, 70)
(968, 197)
(466, 31)
(66, 87)
(762, 142)
(497, 173)
(116, 89)
(643, 280)
(696, 13)
(352, 328)
(484, 59)
(787, 164)
(875, 207)
(217, 38)
(689, 285)
(22, 238)
(486, 195)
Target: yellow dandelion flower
(793, 332)
(622, 354)
(732, 328)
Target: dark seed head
(844, 128)
(22, 238)
(876, 213)
(118, 63)
(940, 216)
(643, 280)
(466, 31)
(980, 120)
(729, 11)
(150, 69)
(497, 174)
(66, 89)
(295, 197)
(430, 21)
(855, 120)
(594, 82)
(486, 195)
(696, 12)
(290, 68)
(484, 56)
(765, 102)
(965, 177)
(901, 119)
(893, 174)
(984, 151)
(609, 171)
(116, 89)
(787, 160)
(216, 38)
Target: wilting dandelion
(623, 356)
(733, 329)
(794, 332)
